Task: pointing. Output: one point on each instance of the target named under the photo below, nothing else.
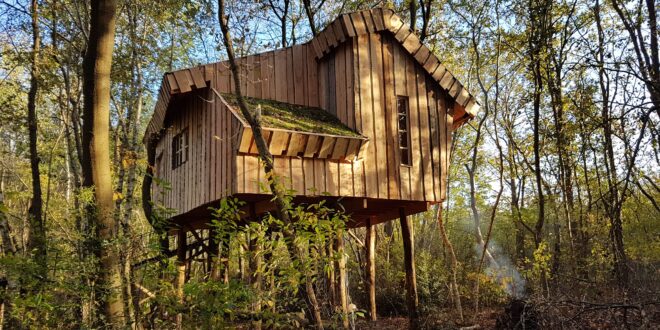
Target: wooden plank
(340, 81)
(340, 148)
(431, 63)
(297, 175)
(366, 112)
(377, 14)
(248, 76)
(298, 75)
(290, 84)
(353, 148)
(422, 54)
(424, 130)
(463, 97)
(312, 79)
(332, 178)
(278, 142)
(182, 81)
(369, 21)
(308, 168)
(434, 128)
(358, 179)
(356, 83)
(171, 81)
(439, 73)
(281, 166)
(296, 144)
(447, 153)
(377, 90)
(394, 23)
(345, 179)
(412, 44)
(331, 37)
(442, 120)
(265, 75)
(416, 178)
(246, 140)
(327, 147)
(347, 22)
(280, 76)
(319, 176)
(224, 76)
(391, 131)
(350, 82)
(198, 77)
(455, 89)
(358, 23)
(323, 43)
(318, 52)
(403, 33)
(313, 146)
(251, 176)
(447, 80)
(338, 30)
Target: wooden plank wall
(383, 71)
(358, 82)
(213, 139)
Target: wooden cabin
(362, 115)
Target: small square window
(180, 149)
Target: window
(180, 149)
(404, 129)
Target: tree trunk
(97, 173)
(409, 264)
(37, 233)
(454, 263)
(182, 246)
(343, 290)
(370, 243)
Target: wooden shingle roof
(379, 19)
(341, 29)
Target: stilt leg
(409, 262)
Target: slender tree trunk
(454, 263)
(37, 234)
(409, 265)
(370, 243)
(343, 291)
(97, 173)
(12, 288)
(181, 259)
(282, 204)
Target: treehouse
(361, 115)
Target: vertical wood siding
(359, 82)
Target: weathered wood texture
(365, 62)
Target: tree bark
(343, 291)
(37, 233)
(454, 263)
(97, 65)
(370, 243)
(182, 247)
(409, 264)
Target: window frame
(180, 146)
(404, 133)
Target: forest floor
(442, 319)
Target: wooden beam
(371, 266)
(409, 263)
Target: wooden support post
(181, 271)
(409, 262)
(370, 244)
(343, 292)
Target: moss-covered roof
(293, 117)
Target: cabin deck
(360, 209)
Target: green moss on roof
(293, 117)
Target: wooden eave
(283, 142)
(380, 19)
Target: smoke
(504, 272)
